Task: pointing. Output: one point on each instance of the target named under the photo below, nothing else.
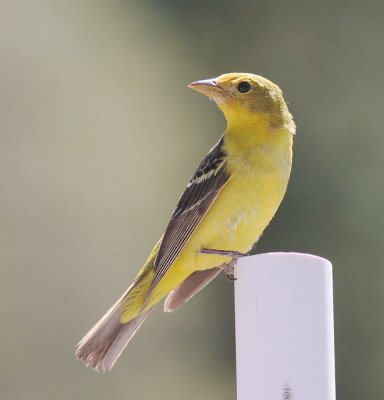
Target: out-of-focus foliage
(98, 135)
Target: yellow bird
(228, 202)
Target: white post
(284, 328)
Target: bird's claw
(227, 268)
(229, 274)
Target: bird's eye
(244, 87)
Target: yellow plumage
(244, 179)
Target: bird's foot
(227, 268)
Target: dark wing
(201, 191)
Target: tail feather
(189, 287)
(103, 344)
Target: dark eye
(244, 87)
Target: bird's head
(247, 98)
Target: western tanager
(228, 202)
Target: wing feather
(199, 195)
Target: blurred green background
(98, 136)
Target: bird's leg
(225, 253)
(227, 268)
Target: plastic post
(284, 328)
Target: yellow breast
(245, 206)
(259, 176)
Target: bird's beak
(208, 87)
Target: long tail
(103, 344)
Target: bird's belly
(235, 221)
